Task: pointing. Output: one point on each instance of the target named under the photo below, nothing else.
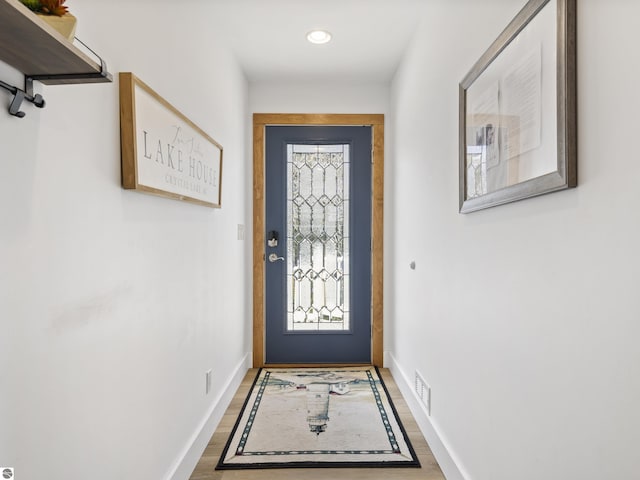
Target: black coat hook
(20, 96)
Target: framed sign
(518, 128)
(162, 151)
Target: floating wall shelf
(28, 44)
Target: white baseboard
(190, 456)
(440, 451)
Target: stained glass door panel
(317, 237)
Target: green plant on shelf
(47, 7)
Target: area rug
(318, 417)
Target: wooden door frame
(260, 121)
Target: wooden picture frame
(162, 151)
(518, 114)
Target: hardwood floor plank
(205, 470)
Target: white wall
(321, 97)
(523, 318)
(113, 303)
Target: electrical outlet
(423, 391)
(240, 231)
(207, 380)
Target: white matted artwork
(163, 152)
(518, 110)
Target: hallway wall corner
(439, 446)
(188, 458)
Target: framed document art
(162, 151)
(518, 136)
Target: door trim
(260, 121)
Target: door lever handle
(274, 257)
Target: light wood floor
(205, 470)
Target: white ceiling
(369, 38)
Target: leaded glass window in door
(317, 237)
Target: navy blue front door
(318, 244)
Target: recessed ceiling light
(319, 36)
